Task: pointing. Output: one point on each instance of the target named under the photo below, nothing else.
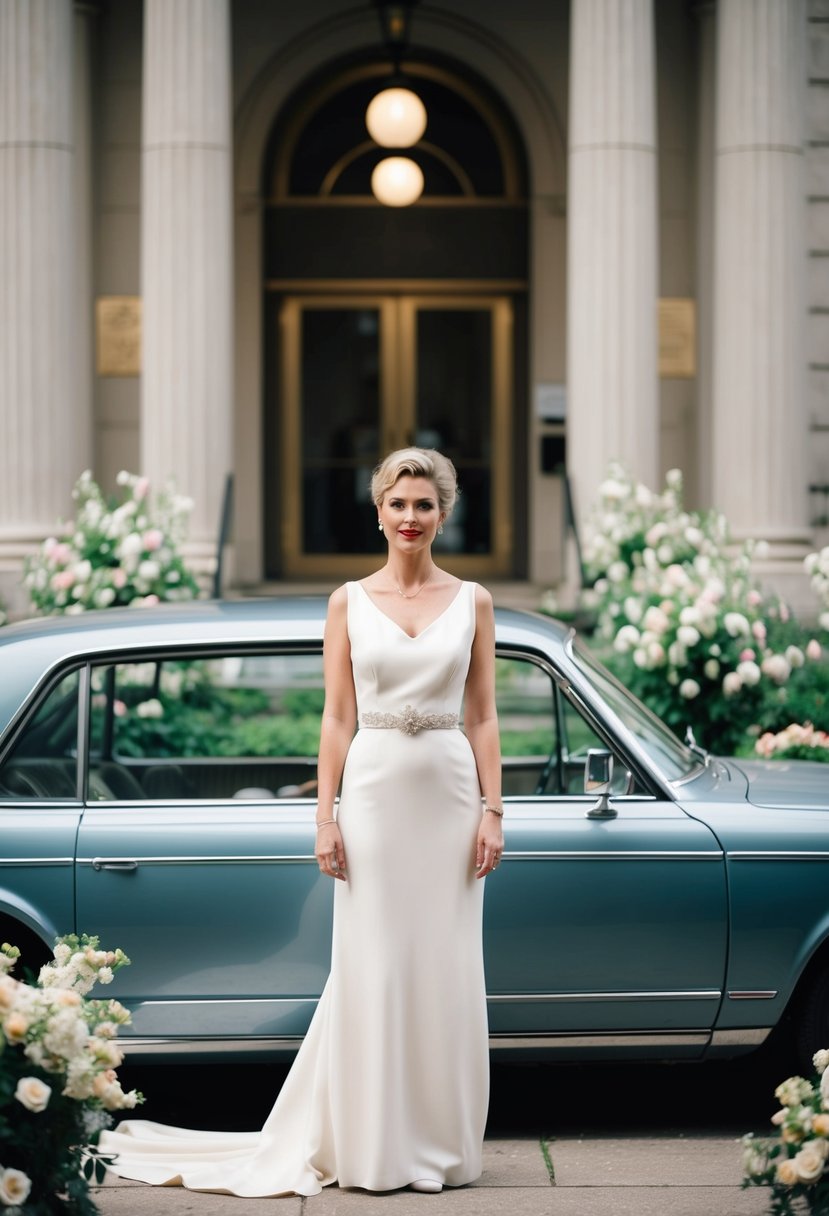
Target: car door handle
(113, 863)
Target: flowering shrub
(795, 742)
(114, 553)
(689, 631)
(795, 1166)
(57, 1078)
(817, 567)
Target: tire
(812, 1024)
(33, 951)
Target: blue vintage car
(157, 779)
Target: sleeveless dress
(391, 1083)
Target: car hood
(786, 783)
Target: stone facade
(133, 137)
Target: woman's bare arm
(339, 718)
(481, 727)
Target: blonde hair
(417, 462)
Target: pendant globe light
(397, 181)
(396, 117)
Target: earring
(440, 529)
(379, 526)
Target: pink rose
(153, 539)
(62, 580)
(119, 578)
(759, 630)
(149, 600)
(119, 709)
(814, 650)
(746, 655)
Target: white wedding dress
(391, 1082)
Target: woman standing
(390, 1086)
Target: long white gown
(391, 1082)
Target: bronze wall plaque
(677, 339)
(118, 335)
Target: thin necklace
(414, 594)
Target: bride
(390, 1086)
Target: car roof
(30, 650)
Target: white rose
(83, 571)
(626, 639)
(749, 672)
(149, 570)
(131, 545)
(793, 1091)
(104, 597)
(33, 1093)
(633, 610)
(655, 620)
(820, 1060)
(711, 669)
(673, 479)
(617, 572)
(689, 689)
(14, 1188)
(810, 1161)
(776, 668)
(736, 625)
(795, 656)
(151, 708)
(687, 635)
(732, 683)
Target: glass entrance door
(364, 375)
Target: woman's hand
(490, 844)
(329, 852)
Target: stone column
(759, 477)
(706, 111)
(186, 257)
(45, 438)
(613, 404)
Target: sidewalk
(697, 1175)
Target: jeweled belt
(410, 721)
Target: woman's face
(410, 514)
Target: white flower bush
(687, 627)
(817, 567)
(114, 554)
(57, 1077)
(796, 1164)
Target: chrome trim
(778, 855)
(225, 1001)
(624, 1038)
(617, 855)
(98, 863)
(240, 1046)
(244, 1045)
(699, 994)
(750, 1037)
(36, 861)
(752, 994)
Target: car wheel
(812, 1027)
(33, 951)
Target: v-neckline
(411, 636)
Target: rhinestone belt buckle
(410, 721)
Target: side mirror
(598, 774)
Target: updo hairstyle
(417, 462)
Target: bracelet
(496, 810)
(323, 822)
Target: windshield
(670, 756)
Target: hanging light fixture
(396, 117)
(397, 181)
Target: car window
(525, 698)
(42, 763)
(234, 726)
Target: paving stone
(463, 1201)
(656, 1201)
(513, 1163)
(672, 1161)
(123, 1198)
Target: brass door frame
(398, 366)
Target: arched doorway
(392, 326)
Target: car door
(40, 808)
(599, 930)
(195, 851)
